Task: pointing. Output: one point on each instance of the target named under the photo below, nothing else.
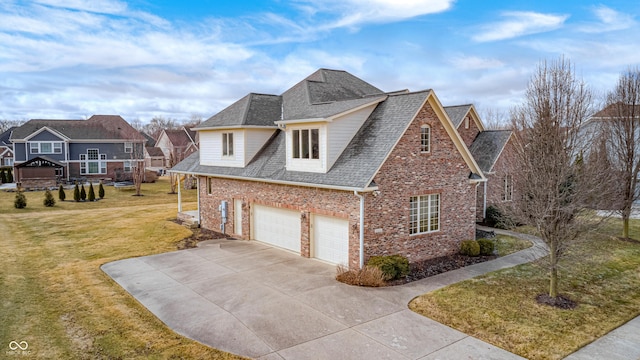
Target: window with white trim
(128, 147)
(209, 186)
(466, 122)
(45, 147)
(424, 214)
(227, 144)
(306, 143)
(425, 139)
(93, 162)
(127, 165)
(507, 194)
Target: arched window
(425, 139)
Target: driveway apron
(253, 300)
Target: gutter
(361, 227)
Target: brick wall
(495, 181)
(468, 135)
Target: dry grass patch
(54, 295)
(601, 273)
(367, 276)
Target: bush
(392, 266)
(486, 247)
(3, 176)
(48, 201)
(368, 276)
(21, 201)
(61, 193)
(101, 191)
(9, 175)
(470, 248)
(83, 193)
(92, 194)
(76, 193)
(497, 219)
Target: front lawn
(56, 298)
(601, 273)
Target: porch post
(179, 195)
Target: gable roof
(4, 137)
(181, 138)
(618, 110)
(487, 147)
(457, 114)
(97, 127)
(356, 166)
(154, 151)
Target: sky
(70, 59)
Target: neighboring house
(491, 150)
(336, 169)
(6, 148)
(51, 151)
(153, 158)
(176, 145)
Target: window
(93, 162)
(227, 144)
(466, 122)
(209, 186)
(128, 147)
(508, 188)
(8, 161)
(127, 165)
(424, 214)
(306, 144)
(48, 147)
(425, 139)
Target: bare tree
(621, 117)
(556, 185)
(137, 167)
(6, 124)
(494, 119)
(137, 124)
(159, 123)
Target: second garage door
(331, 239)
(279, 227)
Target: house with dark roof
(6, 148)
(339, 170)
(176, 145)
(51, 151)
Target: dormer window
(227, 144)
(306, 144)
(425, 139)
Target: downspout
(355, 192)
(484, 201)
(179, 194)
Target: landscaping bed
(430, 267)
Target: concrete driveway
(257, 301)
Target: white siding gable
(341, 130)
(246, 144)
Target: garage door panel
(276, 226)
(331, 239)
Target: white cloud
(475, 63)
(609, 20)
(519, 23)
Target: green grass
(54, 295)
(601, 273)
(506, 245)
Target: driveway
(253, 300)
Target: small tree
(76, 193)
(3, 176)
(9, 175)
(92, 194)
(61, 193)
(101, 191)
(21, 201)
(48, 201)
(83, 193)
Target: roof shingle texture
(97, 127)
(457, 113)
(487, 146)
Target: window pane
(413, 215)
(225, 144)
(92, 154)
(424, 213)
(103, 167)
(33, 148)
(304, 144)
(45, 148)
(434, 212)
(230, 144)
(425, 138)
(93, 167)
(57, 148)
(315, 144)
(296, 144)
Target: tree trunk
(625, 226)
(553, 259)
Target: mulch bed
(561, 301)
(199, 234)
(431, 267)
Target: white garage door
(279, 227)
(331, 239)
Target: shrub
(3, 176)
(48, 201)
(101, 191)
(470, 248)
(486, 247)
(92, 194)
(392, 266)
(21, 201)
(496, 218)
(83, 193)
(76, 193)
(367, 276)
(61, 193)
(9, 175)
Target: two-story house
(176, 145)
(50, 151)
(6, 148)
(336, 169)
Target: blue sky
(145, 58)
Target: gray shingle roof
(252, 110)
(4, 137)
(487, 147)
(97, 127)
(457, 113)
(356, 166)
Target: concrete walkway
(253, 300)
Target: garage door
(279, 227)
(331, 239)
